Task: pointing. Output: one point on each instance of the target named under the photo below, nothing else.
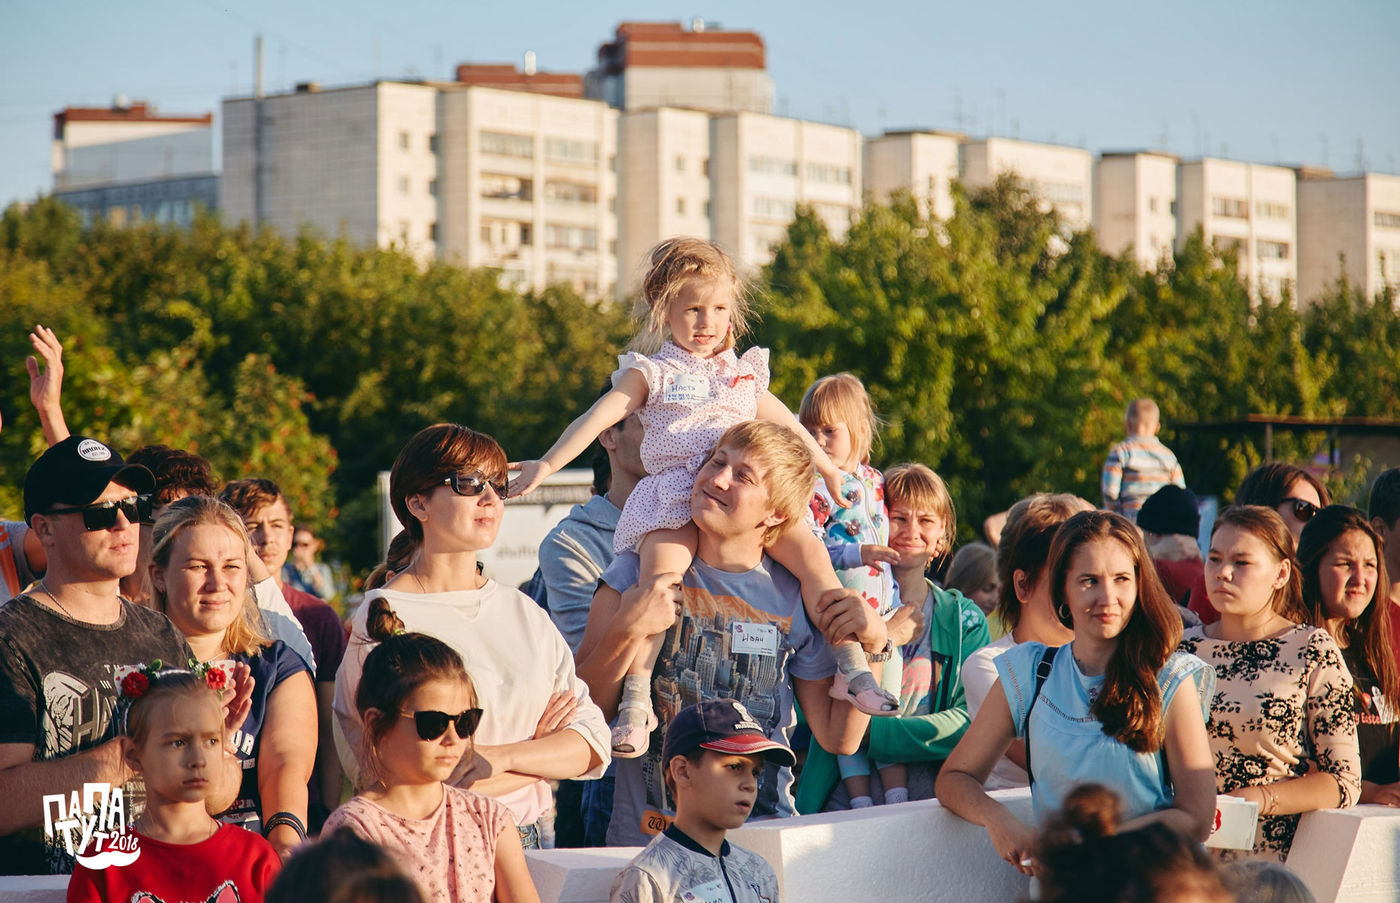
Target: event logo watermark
(92, 826)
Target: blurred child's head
(418, 707)
(681, 274)
(974, 574)
(1253, 881)
(714, 756)
(836, 410)
(1025, 547)
(922, 519)
(342, 867)
(175, 732)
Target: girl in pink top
(687, 394)
(419, 712)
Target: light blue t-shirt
(1068, 745)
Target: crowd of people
(743, 593)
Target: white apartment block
(477, 176)
(1248, 207)
(128, 142)
(663, 185)
(1062, 176)
(1348, 226)
(1135, 205)
(762, 167)
(529, 185)
(924, 164)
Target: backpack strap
(1042, 671)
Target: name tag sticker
(753, 639)
(710, 892)
(685, 388)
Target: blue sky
(1282, 81)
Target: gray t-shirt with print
(743, 636)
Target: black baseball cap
(75, 472)
(722, 725)
(1171, 510)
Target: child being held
(687, 394)
(836, 410)
(714, 755)
(419, 712)
(175, 738)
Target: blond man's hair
(841, 399)
(671, 265)
(789, 474)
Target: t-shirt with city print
(58, 693)
(743, 636)
(675, 869)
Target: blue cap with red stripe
(725, 726)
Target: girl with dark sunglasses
(419, 710)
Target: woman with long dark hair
(1117, 706)
(1345, 585)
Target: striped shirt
(1136, 468)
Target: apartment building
(923, 163)
(126, 163)
(1135, 204)
(1247, 207)
(1348, 226)
(664, 186)
(762, 167)
(664, 64)
(1062, 176)
(480, 176)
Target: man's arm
(618, 626)
(24, 782)
(838, 726)
(570, 577)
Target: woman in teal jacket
(933, 705)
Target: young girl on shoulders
(687, 394)
(175, 741)
(419, 712)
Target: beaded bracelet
(285, 818)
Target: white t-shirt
(515, 657)
(979, 673)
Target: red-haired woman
(1117, 706)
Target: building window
(403, 185)
(432, 187)
(404, 227)
(772, 166)
(680, 163)
(705, 167)
(773, 208)
(1272, 250)
(570, 192)
(1384, 220)
(432, 231)
(1270, 210)
(527, 234)
(508, 187)
(404, 140)
(433, 143)
(1063, 193)
(1151, 205)
(1172, 207)
(503, 144)
(1224, 243)
(829, 172)
(680, 206)
(1230, 208)
(567, 150)
(571, 238)
(706, 208)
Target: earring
(1062, 610)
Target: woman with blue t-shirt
(1117, 706)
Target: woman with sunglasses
(1288, 489)
(1345, 589)
(199, 578)
(419, 711)
(539, 723)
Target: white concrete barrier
(921, 852)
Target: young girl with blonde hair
(694, 387)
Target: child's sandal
(631, 737)
(873, 701)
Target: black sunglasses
(138, 509)
(432, 725)
(1303, 510)
(474, 484)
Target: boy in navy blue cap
(714, 755)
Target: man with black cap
(1170, 520)
(713, 757)
(61, 643)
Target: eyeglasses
(474, 484)
(139, 509)
(1302, 509)
(432, 725)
